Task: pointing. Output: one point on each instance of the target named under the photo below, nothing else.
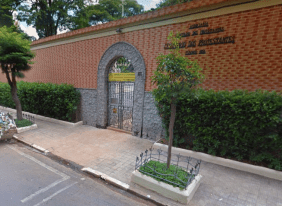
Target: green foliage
(175, 74)
(162, 169)
(7, 7)
(165, 3)
(23, 123)
(238, 124)
(15, 54)
(124, 65)
(105, 11)
(49, 16)
(5, 95)
(51, 100)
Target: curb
(95, 173)
(258, 170)
(47, 119)
(107, 178)
(24, 129)
(34, 146)
(118, 184)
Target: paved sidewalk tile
(114, 154)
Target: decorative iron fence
(29, 117)
(185, 168)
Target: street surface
(28, 178)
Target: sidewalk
(114, 154)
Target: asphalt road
(28, 178)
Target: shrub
(5, 95)
(238, 124)
(51, 100)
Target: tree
(49, 16)
(105, 11)
(174, 76)
(7, 7)
(165, 3)
(15, 56)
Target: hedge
(47, 99)
(241, 125)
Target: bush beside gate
(241, 125)
(50, 100)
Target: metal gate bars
(120, 107)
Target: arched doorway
(121, 80)
(114, 52)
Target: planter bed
(160, 168)
(174, 193)
(179, 182)
(27, 128)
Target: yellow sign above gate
(122, 77)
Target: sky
(148, 4)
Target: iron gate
(121, 105)
(120, 96)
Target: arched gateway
(114, 52)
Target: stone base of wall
(152, 123)
(87, 107)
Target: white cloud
(61, 32)
(91, 2)
(29, 30)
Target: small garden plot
(180, 174)
(174, 175)
(23, 123)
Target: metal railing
(190, 165)
(29, 117)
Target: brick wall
(253, 62)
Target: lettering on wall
(203, 24)
(193, 44)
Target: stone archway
(111, 54)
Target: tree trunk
(171, 124)
(17, 102)
(13, 85)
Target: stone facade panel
(88, 103)
(152, 122)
